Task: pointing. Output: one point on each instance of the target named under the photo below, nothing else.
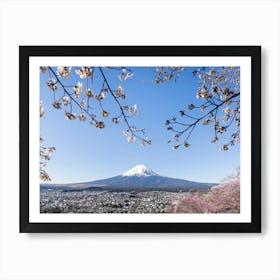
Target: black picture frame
(254, 52)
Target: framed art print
(140, 138)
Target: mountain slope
(139, 178)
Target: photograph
(122, 139)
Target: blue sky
(85, 153)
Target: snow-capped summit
(139, 170)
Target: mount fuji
(139, 178)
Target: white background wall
(139, 256)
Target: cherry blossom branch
(164, 74)
(218, 87)
(71, 97)
(85, 72)
(130, 128)
(190, 127)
